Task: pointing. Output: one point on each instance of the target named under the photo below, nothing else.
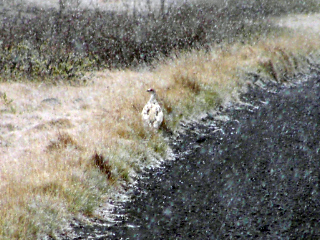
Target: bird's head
(151, 90)
(153, 94)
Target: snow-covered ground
(306, 22)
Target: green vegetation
(40, 43)
(199, 56)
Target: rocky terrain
(251, 172)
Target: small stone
(201, 139)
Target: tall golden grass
(60, 159)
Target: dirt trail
(254, 176)
(249, 176)
(32, 114)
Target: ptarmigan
(152, 114)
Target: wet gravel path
(256, 178)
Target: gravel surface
(253, 176)
(251, 172)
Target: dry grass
(63, 146)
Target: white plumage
(152, 114)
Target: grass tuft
(102, 164)
(187, 81)
(64, 140)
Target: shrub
(62, 42)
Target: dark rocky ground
(256, 178)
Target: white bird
(152, 114)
